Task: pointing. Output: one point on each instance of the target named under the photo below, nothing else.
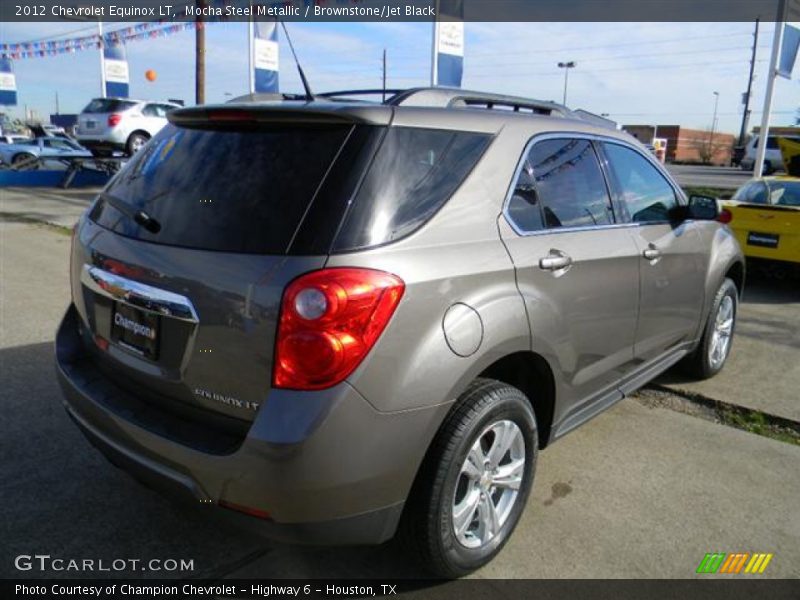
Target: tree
(709, 146)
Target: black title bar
(174, 11)
(477, 589)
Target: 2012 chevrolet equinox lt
(347, 319)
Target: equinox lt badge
(229, 400)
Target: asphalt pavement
(715, 177)
(763, 369)
(637, 492)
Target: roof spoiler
(308, 114)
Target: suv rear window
(226, 190)
(414, 173)
(108, 105)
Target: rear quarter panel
(457, 257)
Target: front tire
(474, 482)
(711, 354)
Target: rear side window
(414, 173)
(560, 185)
(108, 105)
(753, 193)
(785, 194)
(226, 190)
(645, 193)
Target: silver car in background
(109, 125)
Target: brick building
(688, 145)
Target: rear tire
(714, 348)
(25, 161)
(474, 483)
(135, 142)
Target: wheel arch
(531, 374)
(736, 273)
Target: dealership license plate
(763, 240)
(135, 330)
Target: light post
(566, 66)
(713, 127)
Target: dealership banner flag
(448, 44)
(266, 60)
(789, 47)
(116, 68)
(8, 83)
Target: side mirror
(702, 208)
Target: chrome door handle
(652, 253)
(555, 262)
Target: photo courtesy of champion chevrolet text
(440, 299)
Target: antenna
(306, 87)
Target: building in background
(688, 145)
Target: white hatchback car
(772, 157)
(120, 124)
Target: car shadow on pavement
(762, 288)
(64, 499)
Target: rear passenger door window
(644, 192)
(560, 185)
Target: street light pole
(102, 43)
(714, 119)
(566, 66)
(713, 129)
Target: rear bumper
(326, 466)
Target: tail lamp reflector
(329, 321)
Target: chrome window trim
(138, 295)
(593, 137)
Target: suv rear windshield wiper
(138, 216)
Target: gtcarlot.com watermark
(48, 563)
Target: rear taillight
(114, 119)
(725, 216)
(329, 321)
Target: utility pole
(57, 111)
(746, 114)
(384, 75)
(200, 56)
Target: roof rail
(370, 92)
(443, 97)
(266, 97)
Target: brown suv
(336, 318)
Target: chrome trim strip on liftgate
(139, 295)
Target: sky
(638, 73)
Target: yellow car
(765, 216)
